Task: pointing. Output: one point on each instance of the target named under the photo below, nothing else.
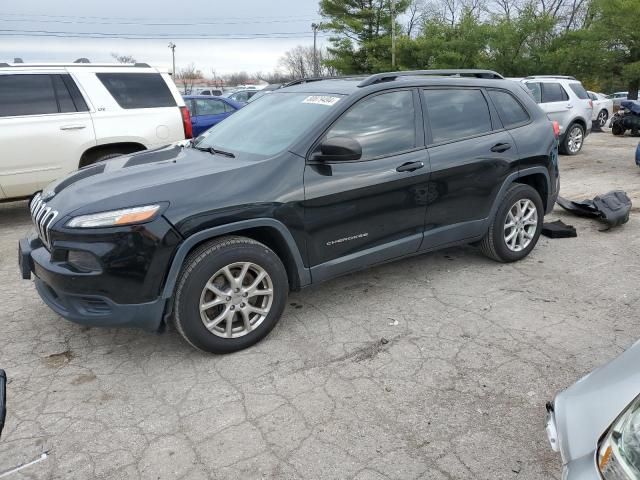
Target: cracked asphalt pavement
(435, 367)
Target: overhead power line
(151, 36)
(261, 17)
(155, 24)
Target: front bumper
(124, 292)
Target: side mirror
(3, 398)
(339, 149)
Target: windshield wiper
(214, 151)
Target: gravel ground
(472, 350)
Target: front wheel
(230, 294)
(516, 227)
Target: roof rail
(74, 64)
(300, 81)
(391, 76)
(566, 77)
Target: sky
(239, 35)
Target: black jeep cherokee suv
(312, 181)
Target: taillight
(186, 122)
(556, 129)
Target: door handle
(73, 127)
(501, 147)
(409, 166)
(569, 107)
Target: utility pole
(172, 46)
(393, 34)
(315, 27)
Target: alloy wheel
(236, 299)
(520, 225)
(574, 142)
(602, 118)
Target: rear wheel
(603, 116)
(573, 140)
(231, 293)
(516, 228)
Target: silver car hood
(584, 411)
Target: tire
(494, 244)
(603, 116)
(573, 140)
(201, 278)
(617, 129)
(107, 156)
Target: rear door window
(384, 124)
(511, 112)
(553, 92)
(209, 107)
(138, 90)
(27, 95)
(456, 113)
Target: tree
(299, 62)
(187, 76)
(361, 40)
(123, 58)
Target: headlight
(619, 450)
(114, 218)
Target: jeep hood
(138, 179)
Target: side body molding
(304, 275)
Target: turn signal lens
(126, 216)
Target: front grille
(42, 217)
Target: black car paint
(305, 207)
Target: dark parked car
(207, 111)
(313, 181)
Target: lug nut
(237, 290)
(245, 294)
(228, 299)
(233, 307)
(242, 305)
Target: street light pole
(393, 33)
(172, 46)
(315, 27)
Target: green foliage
(362, 33)
(604, 52)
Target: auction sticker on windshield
(321, 100)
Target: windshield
(269, 125)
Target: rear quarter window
(579, 90)
(138, 90)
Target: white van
(56, 118)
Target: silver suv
(564, 100)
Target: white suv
(56, 118)
(564, 100)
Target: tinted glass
(270, 125)
(138, 90)
(228, 108)
(205, 92)
(579, 90)
(240, 96)
(64, 98)
(455, 114)
(76, 96)
(27, 95)
(209, 107)
(536, 91)
(510, 111)
(383, 124)
(593, 96)
(553, 92)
